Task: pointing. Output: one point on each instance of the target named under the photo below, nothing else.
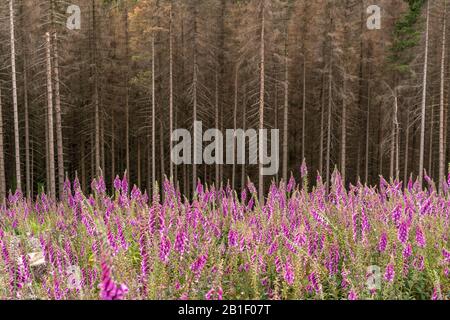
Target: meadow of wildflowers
(303, 243)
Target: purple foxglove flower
(117, 183)
(407, 251)
(181, 242)
(436, 294)
(108, 289)
(383, 242)
(125, 184)
(314, 282)
(397, 214)
(164, 249)
(352, 295)
(303, 169)
(288, 274)
(232, 239)
(446, 255)
(209, 294)
(420, 238)
(291, 184)
(403, 232)
(389, 273)
(199, 264)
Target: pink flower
(420, 238)
(108, 289)
(390, 273)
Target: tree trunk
(59, 136)
(430, 154)
(14, 93)
(83, 165)
(244, 115)
(442, 107)
(194, 90)
(153, 116)
(304, 108)
(161, 146)
(322, 122)
(366, 169)
(127, 108)
(406, 173)
(94, 67)
(286, 110)
(217, 116)
(170, 88)
(139, 164)
(424, 98)
(330, 104)
(113, 149)
(2, 156)
(344, 131)
(27, 128)
(51, 147)
(261, 101)
(236, 93)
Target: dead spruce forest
(103, 99)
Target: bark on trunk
(51, 147)
(59, 135)
(2, 156)
(442, 107)
(14, 93)
(424, 99)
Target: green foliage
(406, 36)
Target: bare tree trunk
(286, 110)
(394, 165)
(330, 104)
(244, 115)
(139, 164)
(27, 127)
(83, 165)
(261, 101)
(442, 107)
(59, 136)
(113, 149)
(366, 169)
(405, 173)
(127, 107)
(161, 145)
(153, 116)
(344, 131)
(194, 90)
(322, 122)
(51, 147)
(217, 116)
(14, 92)
(276, 120)
(102, 143)
(392, 152)
(96, 170)
(358, 163)
(304, 108)
(236, 93)
(430, 155)
(424, 98)
(170, 88)
(2, 156)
